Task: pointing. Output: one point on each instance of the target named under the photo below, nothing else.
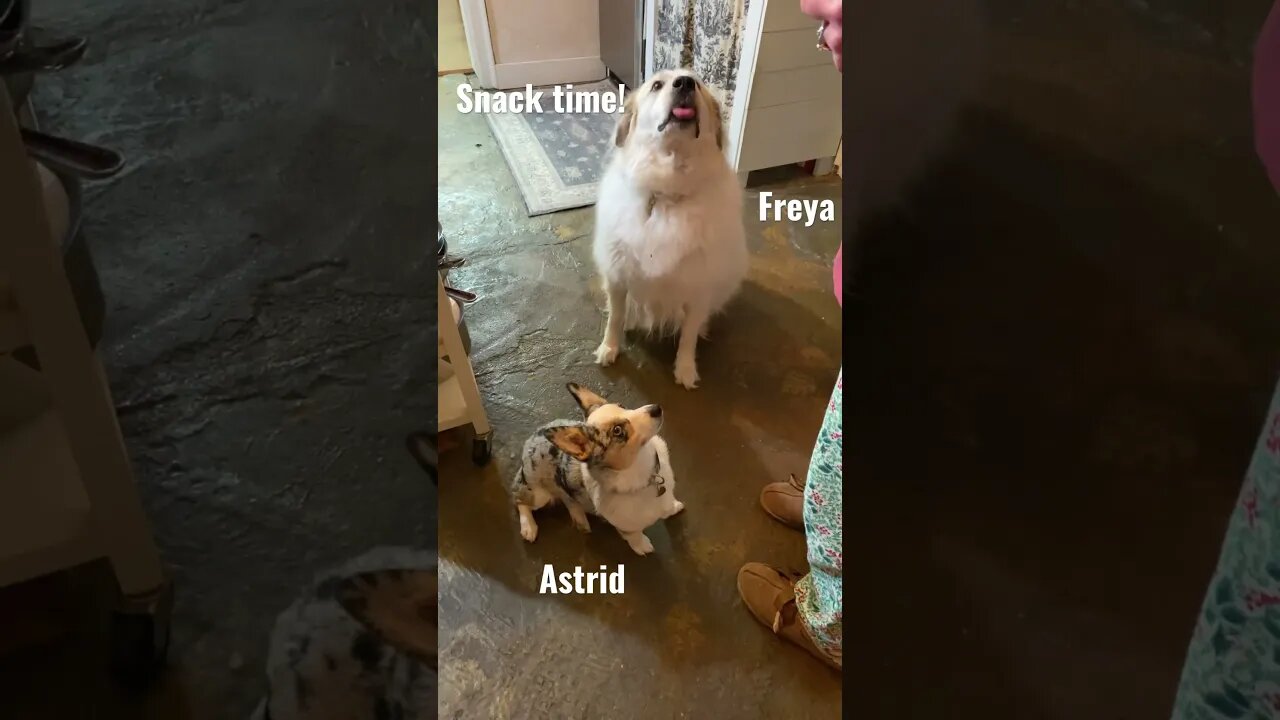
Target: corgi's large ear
(578, 441)
(714, 106)
(627, 121)
(587, 400)
(400, 605)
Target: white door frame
(650, 30)
(751, 33)
(475, 22)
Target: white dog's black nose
(684, 83)
(655, 411)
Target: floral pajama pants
(1233, 664)
(818, 594)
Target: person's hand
(831, 12)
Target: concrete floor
(266, 257)
(678, 643)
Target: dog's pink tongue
(682, 113)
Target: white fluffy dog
(669, 240)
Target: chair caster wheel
(140, 639)
(482, 448)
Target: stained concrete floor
(678, 643)
(267, 259)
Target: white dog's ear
(714, 106)
(627, 121)
(578, 441)
(587, 400)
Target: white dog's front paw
(606, 354)
(640, 543)
(687, 374)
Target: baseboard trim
(548, 72)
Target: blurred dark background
(266, 259)
(1062, 339)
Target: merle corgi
(612, 464)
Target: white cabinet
(787, 103)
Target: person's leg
(818, 594)
(807, 610)
(1232, 668)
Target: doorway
(455, 55)
(622, 40)
(514, 43)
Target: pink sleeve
(837, 277)
(1266, 95)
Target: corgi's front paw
(528, 530)
(606, 354)
(580, 521)
(687, 374)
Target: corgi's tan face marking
(611, 435)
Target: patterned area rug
(556, 158)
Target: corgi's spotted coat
(361, 643)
